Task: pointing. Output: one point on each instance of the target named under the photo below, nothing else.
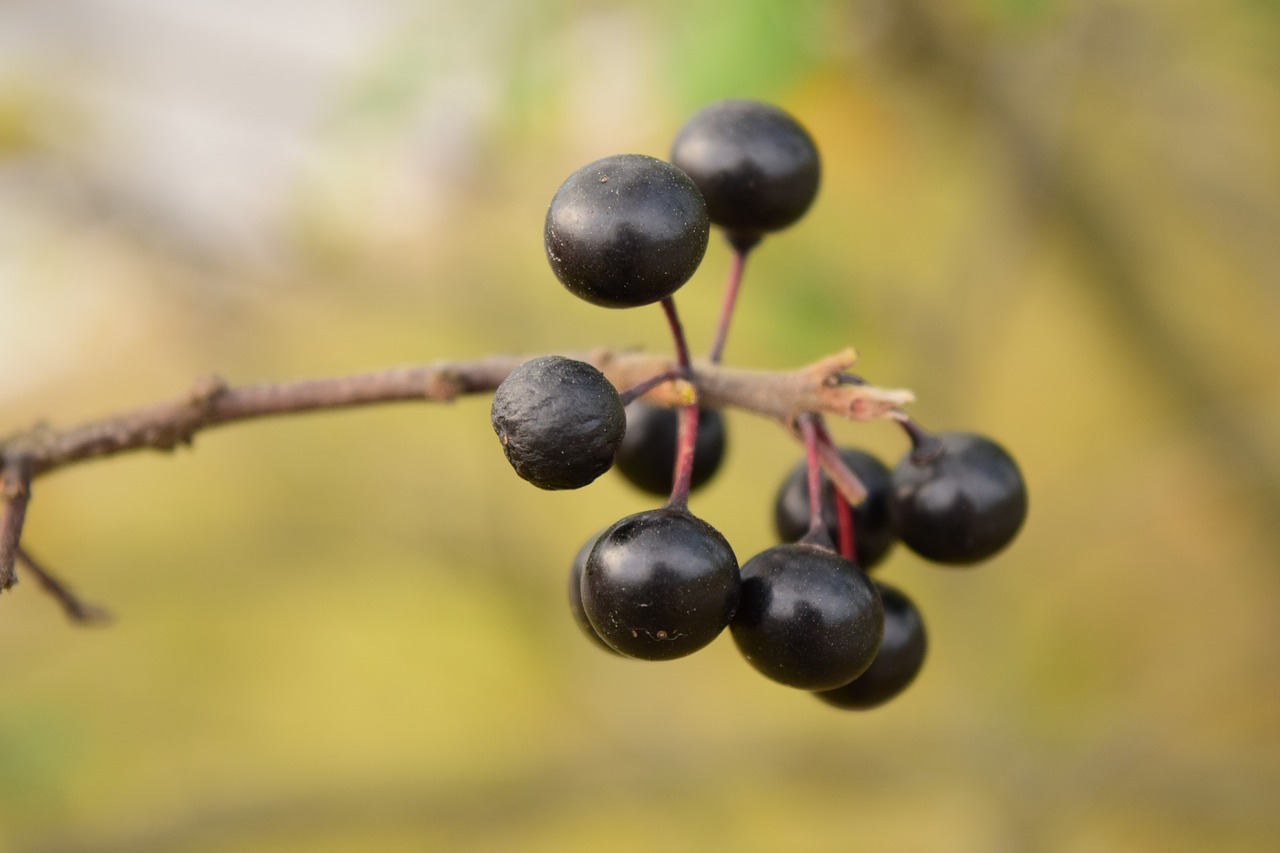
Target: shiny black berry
(872, 525)
(756, 166)
(626, 230)
(957, 498)
(660, 584)
(575, 596)
(560, 421)
(900, 657)
(807, 617)
(648, 452)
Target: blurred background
(1058, 223)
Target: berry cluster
(630, 230)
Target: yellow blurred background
(1058, 223)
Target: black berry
(560, 422)
(872, 525)
(626, 230)
(756, 166)
(648, 452)
(899, 660)
(807, 617)
(575, 595)
(660, 584)
(957, 498)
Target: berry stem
(843, 480)
(641, 388)
(683, 362)
(925, 447)
(818, 533)
(687, 427)
(686, 440)
(845, 534)
(846, 538)
(737, 263)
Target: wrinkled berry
(560, 422)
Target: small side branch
(820, 387)
(75, 609)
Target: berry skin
(560, 422)
(807, 617)
(958, 499)
(647, 456)
(897, 663)
(660, 584)
(756, 166)
(575, 596)
(625, 231)
(872, 525)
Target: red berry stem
(811, 430)
(686, 440)
(687, 427)
(733, 285)
(641, 388)
(847, 540)
(683, 362)
(842, 477)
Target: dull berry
(560, 421)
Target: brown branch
(782, 396)
(15, 489)
(211, 402)
(75, 609)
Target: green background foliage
(1054, 222)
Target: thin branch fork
(781, 396)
